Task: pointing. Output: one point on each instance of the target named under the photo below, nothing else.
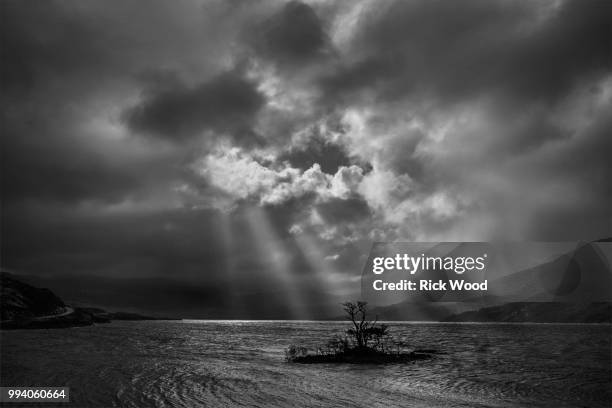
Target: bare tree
(363, 330)
(366, 340)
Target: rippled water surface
(149, 364)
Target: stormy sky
(236, 159)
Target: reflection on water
(142, 364)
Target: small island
(365, 342)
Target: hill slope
(539, 312)
(20, 300)
(24, 306)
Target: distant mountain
(539, 312)
(421, 312)
(24, 306)
(583, 275)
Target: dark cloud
(171, 239)
(401, 153)
(41, 41)
(295, 34)
(66, 49)
(450, 51)
(69, 180)
(328, 155)
(45, 161)
(226, 103)
(65, 75)
(337, 210)
(584, 162)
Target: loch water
(241, 363)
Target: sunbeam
(335, 286)
(230, 248)
(273, 251)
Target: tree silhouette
(366, 341)
(363, 330)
